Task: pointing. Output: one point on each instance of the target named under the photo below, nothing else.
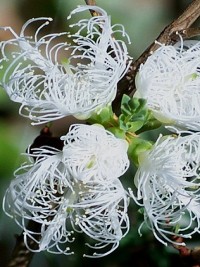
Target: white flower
(58, 193)
(48, 87)
(170, 82)
(168, 182)
(93, 153)
(42, 180)
(95, 208)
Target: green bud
(134, 114)
(136, 147)
(117, 132)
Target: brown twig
(92, 3)
(190, 257)
(167, 36)
(183, 250)
(22, 256)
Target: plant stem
(22, 256)
(92, 3)
(167, 36)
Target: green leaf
(150, 124)
(134, 114)
(131, 105)
(129, 126)
(105, 117)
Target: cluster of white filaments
(170, 81)
(95, 161)
(168, 183)
(63, 199)
(49, 88)
(78, 189)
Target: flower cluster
(49, 88)
(168, 177)
(76, 189)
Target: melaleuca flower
(92, 153)
(170, 81)
(168, 185)
(62, 195)
(96, 209)
(42, 180)
(49, 84)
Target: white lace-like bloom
(41, 180)
(168, 182)
(170, 81)
(49, 88)
(92, 153)
(62, 200)
(95, 208)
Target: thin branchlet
(168, 36)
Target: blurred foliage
(8, 152)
